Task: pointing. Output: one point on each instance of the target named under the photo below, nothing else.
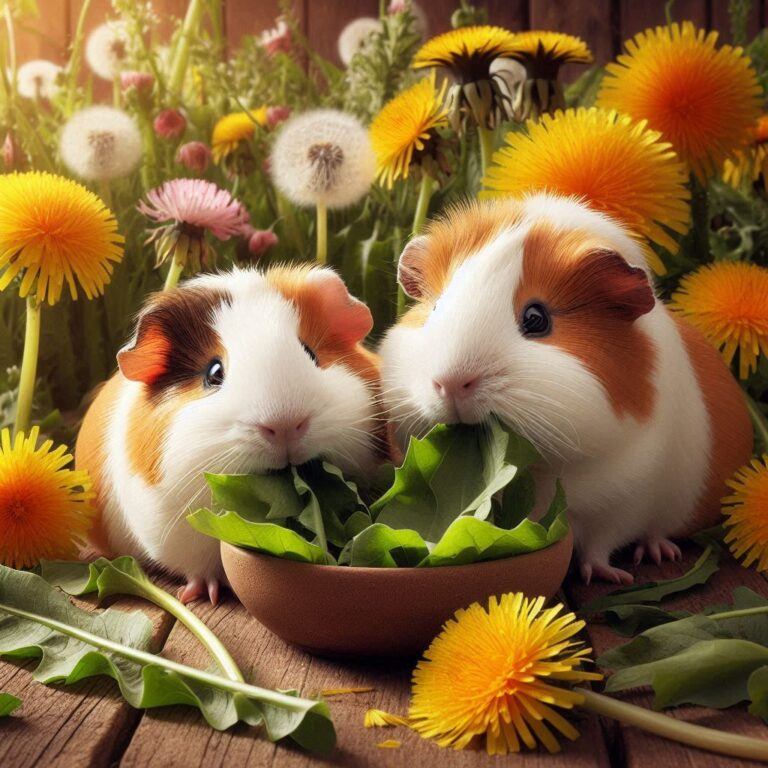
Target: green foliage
(8, 704)
(439, 509)
(656, 591)
(70, 644)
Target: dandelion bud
(170, 124)
(277, 115)
(141, 81)
(398, 6)
(10, 152)
(260, 241)
(194, 155)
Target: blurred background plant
(142, 101)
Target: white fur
(267, 375)
(624, 480)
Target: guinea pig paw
(658, 549)
(214, 589)
(604, 572)
(195, 588)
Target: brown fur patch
(593, 296)
(730, 425)
(452, 239)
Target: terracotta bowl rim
(401, 572)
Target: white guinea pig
(239, 372)
(543, 312)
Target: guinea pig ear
(620, 288)
(145, 359)
(350, 320)
(410, 268)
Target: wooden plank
(178, 737)
(588, 19)
(44, 36)
(71, 726)
(639, 748)
(636, 16)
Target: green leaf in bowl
(379, 546)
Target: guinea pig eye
(310, 352)
(536, 320)
(214, 375)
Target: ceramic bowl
(342, 611)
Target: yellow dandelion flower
(728, 303)
(52, 231)
(45, 509)
(751, 163)
(378, 718)
(467, 51)
(231, 129)
(543, 52)
(703, 99)
(402, 131)
(618, 166)
(746, 512)
(499, 673)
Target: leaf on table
(27, 602)
(380, 546)
(268, 538)
(631, 619)
(453, 471)
(656, 591)
(8, 704)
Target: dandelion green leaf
(8, 704)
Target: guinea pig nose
(456, 387)
(281, 431)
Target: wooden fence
(604, 24)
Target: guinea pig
(543, 312)
(233, 373)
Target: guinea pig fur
(240, 372)
(543, 313)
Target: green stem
(276, 698)
(105, 192)
(116, 92)
(737, 614)
(11, 41)
(721, 742)
(759, 422)
(487, 141)
(322, 234)
(180, 57)
(699, 222)
(426, 190)
(174, 274)
(149, 162)
(161, 598)
(74, 59)
(28, 366)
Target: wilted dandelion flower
(107, 49)
(170, 124)
(355, 35)
(143, 82)
(498, 674)
(38, 79)
(618, 166)
(746, 512)
(404, 132)
(323, 157)
(45, 508)
(100, 143)
(194, 156)
(728, 303)
(703, 99)
(277, 39)
(186, 209)
(233, 129)
(54, 231)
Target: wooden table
(89, 725)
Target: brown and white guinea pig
(239, 372)
(543, 313)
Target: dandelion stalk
(759, 422)
(180, 57)
(487, 139)
(667, 727)
(77, 55)
(28, 366)
(322, 233)
(174, 273)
